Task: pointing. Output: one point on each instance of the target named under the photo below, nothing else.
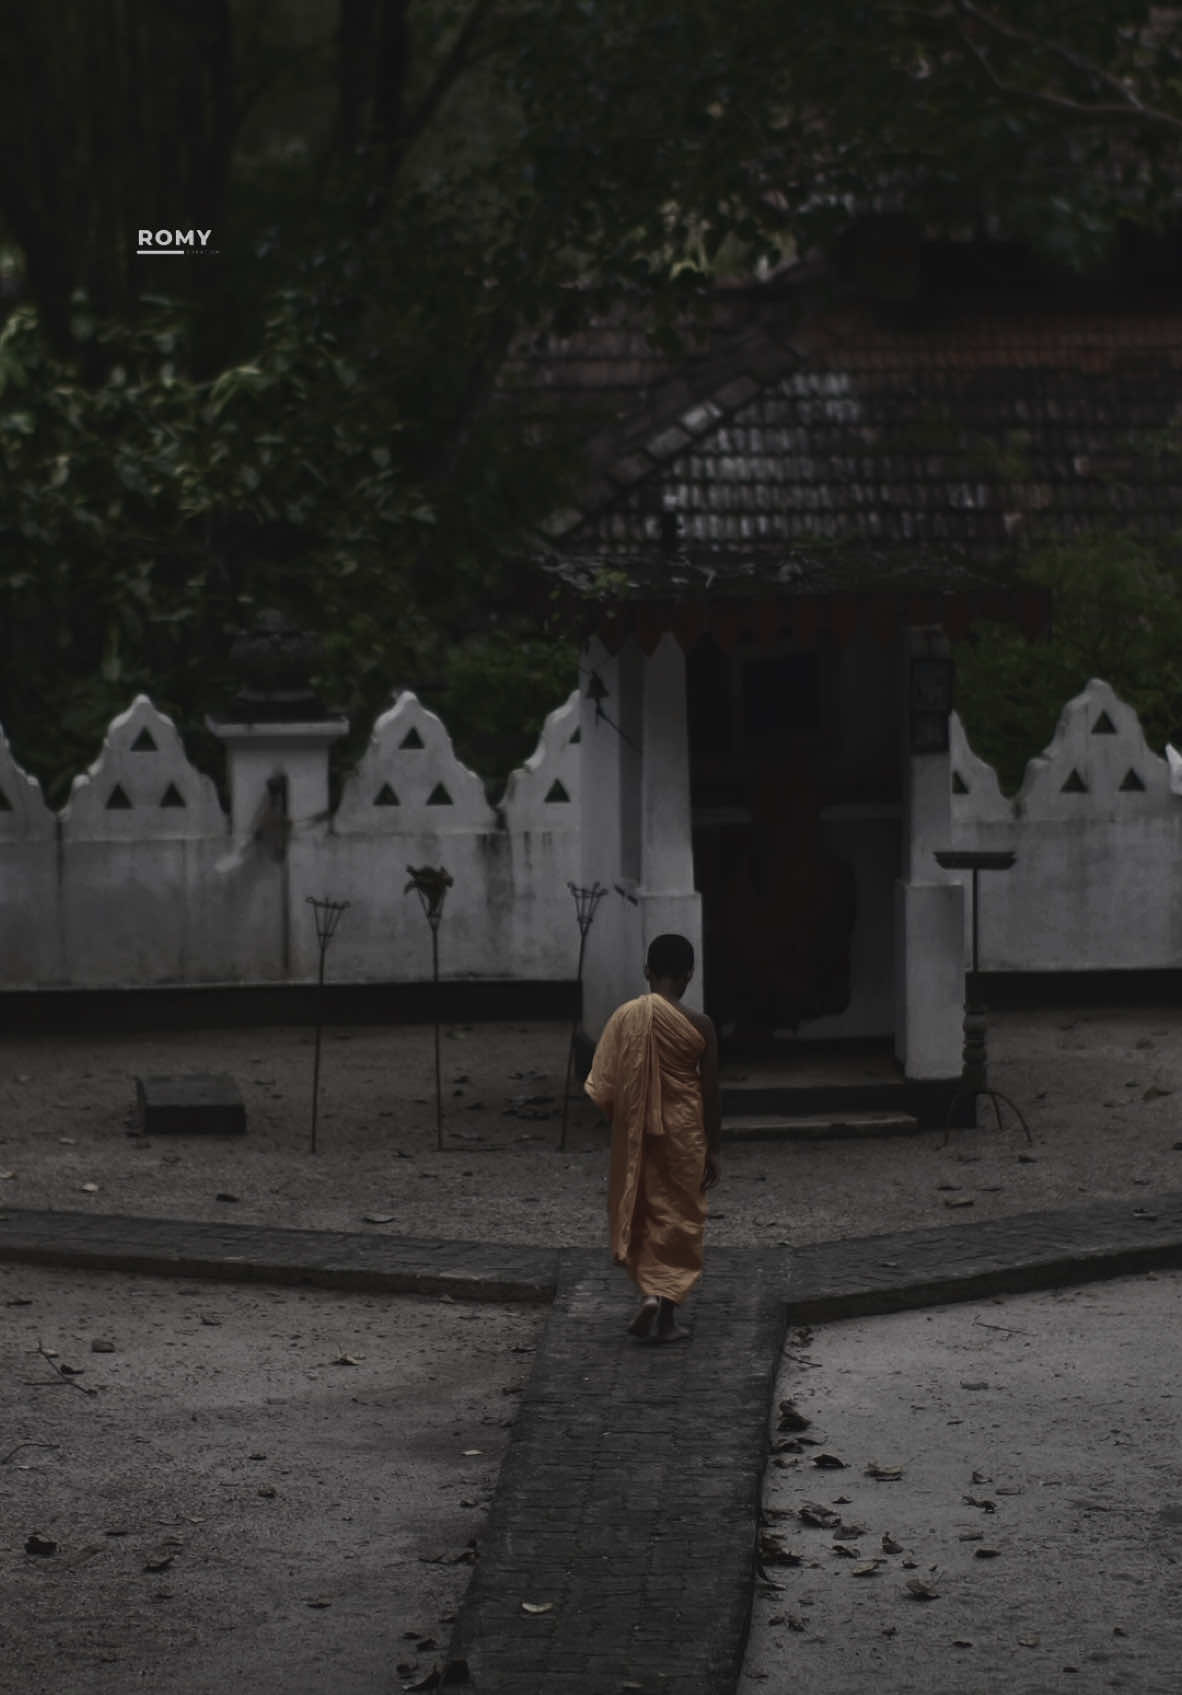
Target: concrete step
(742, 1097)
(816, 1127)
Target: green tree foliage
(397, 188)
(1117, 614)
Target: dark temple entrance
(777, 906)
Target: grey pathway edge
(627, 1507)
(329, 1259)
(627, 1504)
(847, 1278)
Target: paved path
(627, 1502)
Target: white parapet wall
(1097, 835)
(143, 879)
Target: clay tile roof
(790, 440)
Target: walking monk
(655, 1078)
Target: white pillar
(608, 785)
(929, 909)
(256, 755)
(668, 899)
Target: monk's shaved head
(670, 956)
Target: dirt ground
(185, 1560)
(1102, 1091)
(248, 1488)
(1038, 1495)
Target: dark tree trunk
(355, 30)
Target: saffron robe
(645, 1077)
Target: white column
(298, 753)
(929, 908)
(668, 899)
(606, 779)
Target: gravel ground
(253, 1488)
(1101, 1090)
(1033, 1483)
(183, 1560)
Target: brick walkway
(627, 1502)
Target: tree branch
(1131, 109)
(454, 63)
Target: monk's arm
(711, 1099)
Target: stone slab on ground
(328, 1259)
(627, 1506)
(203, 1105)
(961, 1262)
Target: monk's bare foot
(643, 1322)
(671, 1333)
(668, 1329)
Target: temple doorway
(778, 907)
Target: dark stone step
(201, 1105)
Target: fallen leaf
(961, 1642)
(208, 1318)
(974, 1501)
(795, 1622)
(1029, 1641)
(378, 1217)
(961, 1201)
(822, 1518)
(1008, 1489)
(884, 1473)
(90, 1188)
(470, 1452)
(159, 1561)
(867, 1568)
(223, 1196)
(829, 1462)
(976, 1383)
(537, 1606)
(923, 1589)
(38, 1543)
(773, 1552)
(317, 1601)
(5, 1175)
(791, 1419)
(1155, 1094)
(889, 1545)
(986, 1553)
(101, 1345)
(347, 1359)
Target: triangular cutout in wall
(143, 743)
(1131, 783)
(574, 739)
(172, 796)
(439, 796)
(5, 803)
(1074, 785)
(556, 792)
(117, 800)
(1104, 726)
(959, 786)
(412, 738)
(386, 797)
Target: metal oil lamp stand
(975, 1074)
